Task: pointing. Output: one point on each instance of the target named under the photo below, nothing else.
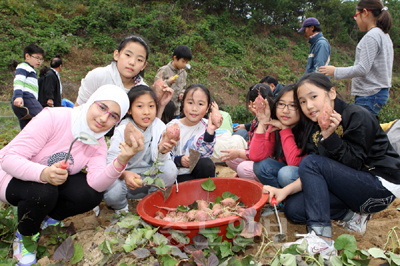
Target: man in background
(51, 90)
(320, 50)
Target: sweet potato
(172, 132)
(130, 129)
(158, 87)
(259, 103)
(138, 181)
(324, 116)
(229, 202)
(201, 216)
(202, 205)
(191, 215)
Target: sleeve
(261, 146)
(184, 77)
(367, 49)
(247, 126)
(321, 54)
(353, 147)
(19, 81)
(289, 147)
(204, 143)
(92, 81)
(16, 161)
(114, 149)
(100, 175)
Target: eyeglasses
(104, 110)
(291, 106)
(37, 58)
(355, 16)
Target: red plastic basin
(250, 193)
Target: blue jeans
(373, 103)
(242, 132)
(330, 190)
(275, 173)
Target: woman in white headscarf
(31, 171)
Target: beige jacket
(179, 85)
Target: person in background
(371, 75)
(244, 129)
(50, 90)
(24, 100)
(67, 103)
(169, 112)
(320, 50)
(42, 74)
(174, 74)
(272, 83)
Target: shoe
(96, 210)
(124, 209)
(50, 221)
(357, 223)
(315, 244)
(23, 256)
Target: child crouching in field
(142, 114)
(196, 133)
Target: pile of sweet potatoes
(202, 211)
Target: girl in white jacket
(142, 114)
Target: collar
(314, 38)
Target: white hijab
(104, 93)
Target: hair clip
(384, 8)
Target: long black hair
(297, 130)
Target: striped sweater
(25, 81)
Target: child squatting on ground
(142, 114)
(196, 133)
(30, 174)
(275, 146)
(350, 172)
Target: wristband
(122, 165)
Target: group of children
(344, 171)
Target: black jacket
(50, 89)
(359, 142)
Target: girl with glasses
(33, 178)
(371, 73)
(275, 147)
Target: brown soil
(90, 230)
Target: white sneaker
(24, 257)
(357, 223)
(124, 209)
(96, 210)
(315, 244)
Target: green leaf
(377, 253)
(336, 261)
(146, 173)
(148, 180)
(183, 208)
(179, 236)
(275, 262)
(78, 253)
(394, 257)
(210, 233)
(129, 221)
(159, 182)
(168, 260)
(288, 259)
(347, 242)
(302, 247)
(226, 195)
(218, 199)
(225, 248)
(162, 249)
(208, 185)
(159, 239)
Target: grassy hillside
(229, 53)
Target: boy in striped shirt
(26, 85)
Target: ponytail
(380, 12)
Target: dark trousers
(205, 168)
(36, 200)
(330, 189)
(34, 108)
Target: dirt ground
(90, 229)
